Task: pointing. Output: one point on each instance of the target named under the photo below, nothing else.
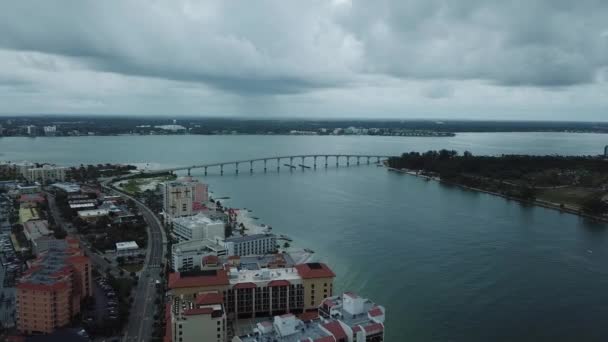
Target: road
(141, 319)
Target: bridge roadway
(301, 157)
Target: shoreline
(536, 202)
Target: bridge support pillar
(315, 162)
(377, 160)
(326, 162)
(367, 160)
(290, 163)
(236, 168)
(264, 165)
(222, 169)
(337, 161)
(189, 172)
(251, 166)
(347, 160)
(205, 170)
(302, 163)
(358, 160)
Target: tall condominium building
(200, 319)
(198, 227)
(184, 197)
(46, 174)
(250, 292)
(345, 318)
(50, 292)
(255, 244)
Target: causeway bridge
(291, 162)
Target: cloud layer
(386, 58)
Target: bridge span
(324, 158)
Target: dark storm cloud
(280, 47)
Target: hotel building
(184, 197)
(188, 254)
(256, 244)
(46, 174)
(198, 227)
(199, 319)
(50, 292)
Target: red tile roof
(247, 285)
(201, 311)
(176, 281)
(351, 294)
(210, 259)
(308, 315)
(317, 270)
(356, 329)
(279, 283)
(329, 303)
(373, 328)
(375, 312)
(335, 329)
(209, 298)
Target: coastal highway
(140, 325)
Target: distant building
(68, 188)
(50, 130)
(185, 255)
(127, 248)
(341, 318)
(172, 128)
(93, 214)
(198, 319)
(28, 189)
(606, 151)
(50, 292)
(46, 174)
(184, 197)
(198, 227)
(31, 130)
(256, 244)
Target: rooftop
(315, 270)
(206, 304)
(246, 238)
(35, 229)
(67, 187)
(93, 213)
(195, 221)
(198, 278)
(127, 245)
(50, 267)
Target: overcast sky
(334, 59)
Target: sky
(471, 59)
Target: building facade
(50, 292)
(198, 227)
(46, 174)
(188, 254)
(255, 244)
(249, 293)
(199, 319)
(184, 197)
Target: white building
(46, 174)
(256, 244)
(93, 214)
(198, 319)
(127, 248)
(198, 227)
(50, 130)
(184, 197)
(185, 255)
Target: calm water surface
(449, 265)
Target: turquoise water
(449, 264)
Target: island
(576, 184)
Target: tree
(286, 245)
(594, 205)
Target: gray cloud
(304, 51)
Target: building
(343, 318)
(198, 227)
(68, 188)
(93, 214)
(255, 244)
(251, 292)
(606, 151)
(46, 174)
(185, 255)
(28, 214)
(184, 197)
(127, 248)
(50, 130)
(31, 130)
(50, 292)
(199, 319)
(38, 233)
(28, 189)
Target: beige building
(199, 319)
(46, 174)
(184, 197)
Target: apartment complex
(184, 197)
(188, 254)
(345, 318)
(46, 174)
(256, 244)
(50, 292)
(199, 319)
(198, 227)
(252, 292)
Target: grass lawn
(573, 196)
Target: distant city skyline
(340, 59)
